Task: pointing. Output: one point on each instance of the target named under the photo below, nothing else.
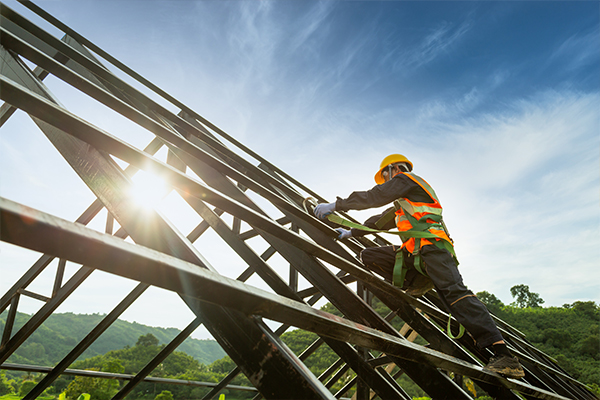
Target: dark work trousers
(441, 268)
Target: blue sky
(496, 104)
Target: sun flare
(148, 190)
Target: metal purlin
(193, 143)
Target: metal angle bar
(83, 219)
(100, 94)
(436, 338)
(33, 295)
(274, 363)
(511, 339)
(280, 287)
(223, 384)
(86, 342)
(60, 272)
(39, 11)
(231, 329)
(44, 260)
(110, 375)
(249, 234)
(349, 385)
(292, 254)
(7, 87)
(10, 321)
(39, 317)
(6, 111)
(143, 120)
(160, 357)
(245, 275)
(336, 377)
(331, 369)
(386, 389)
(51, 235)
(343, 276)
(64, 120)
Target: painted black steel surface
(232, 311)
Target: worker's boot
(420, 285)
(505, 365)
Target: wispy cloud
(578, 51)
(307, 25)
(435, 44)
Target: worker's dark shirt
(400, 186)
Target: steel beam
(85, 342)
(123, 377)
(48, 234)
(229, 327)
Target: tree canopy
(524, 298)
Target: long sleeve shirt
(400, 186)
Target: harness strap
(385, 218)
(336, 219)
(400, 269)
(461, 329)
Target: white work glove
(324, 209)
(343, 233)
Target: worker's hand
(324, 209)
(343, 233)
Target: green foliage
(147, 340)
(26, 387)
(570, 334)
(61, 332)
(492, 303)
(317, 362)
(164, 395)
(524, 298)
(97, 388)
(595, 389)
(6, 385)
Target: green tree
(222, 366)
(97, 388)
(493, 303)
(164, 395)
(524, 298)
(591, 346)
(147, 340)
(6, 386)
(26, 387)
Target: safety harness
(417, 223)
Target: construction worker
(417, 211)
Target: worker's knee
(368, 255)
(379, 260)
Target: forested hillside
(570, 334)
(61, 332)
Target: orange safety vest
(412, 215)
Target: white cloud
(522, 194)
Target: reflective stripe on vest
(420, 216)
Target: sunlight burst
(148, 190)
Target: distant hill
(61, 332)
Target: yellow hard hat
(391, 159)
